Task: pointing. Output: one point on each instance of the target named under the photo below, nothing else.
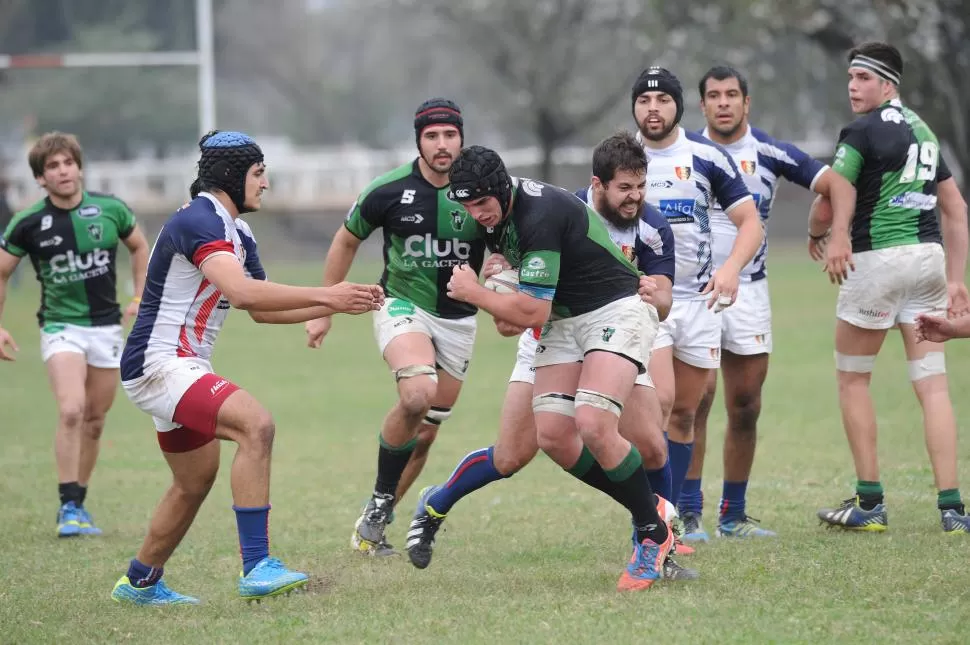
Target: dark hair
(721, 73)
(882, 52)
(618, 152)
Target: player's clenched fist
(463, 283)
(351, 298)
(316, 330)
(7, 346)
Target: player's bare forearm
(751, 234)
(291, 317)
(953, 221)
(518, 309)
(662, 298)
(961, 327)
(841, 195)
(139, 251)
(340, 256)
(8, 263)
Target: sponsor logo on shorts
(608, 333)
(873, 313)
(540, 349)
(715, 353)
(221, 383)
(407, 320)
(464, 367)
(398, 307)
(53, 328)
(760, 338)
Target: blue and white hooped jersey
(649, 244)
(685, 182)
(181, 312)
(762, 160)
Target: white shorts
(101, 346)
(626, 327)
(159, 390)
(746, 325)
(891, 286)
(525, 371)
(695, 333)
(453, 338)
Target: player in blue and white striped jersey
(745, 326)
(687, 177)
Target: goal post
(202, 57)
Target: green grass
(534, 559)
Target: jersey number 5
(408, 196)
(928, 155)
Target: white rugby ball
(506, 281)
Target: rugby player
(687, 178)
(746, 340)
(205, 261)
(425, 336)
(891, 267)
(71, 238)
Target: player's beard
(614, 217)
(660, 136)
(433, 161)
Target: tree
(933, 36)
(550, 64)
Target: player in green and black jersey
(71, 238)
(596, 336)
(425, 336)
(892, 268)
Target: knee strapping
(436, 416)
(930, 365)
(416, 370)
(597, 400)
(858, 364)
(555, 402)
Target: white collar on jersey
(730, 146)
(680, 140)
(219, 207)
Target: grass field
(529, 560)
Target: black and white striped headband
(880, 68)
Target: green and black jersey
(563, 251)
(426, 235)
(893, 159)
(73, 253)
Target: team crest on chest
(457, 219)
(749, 166)
(95, 232)
(682, 172)
(628, 252)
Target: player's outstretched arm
(307, 314)
(953, 221)
(8, 262)
(225, 272)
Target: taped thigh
(555, 402)
(416, 370)
(932, 364)
(858, 364)
(597, 400)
